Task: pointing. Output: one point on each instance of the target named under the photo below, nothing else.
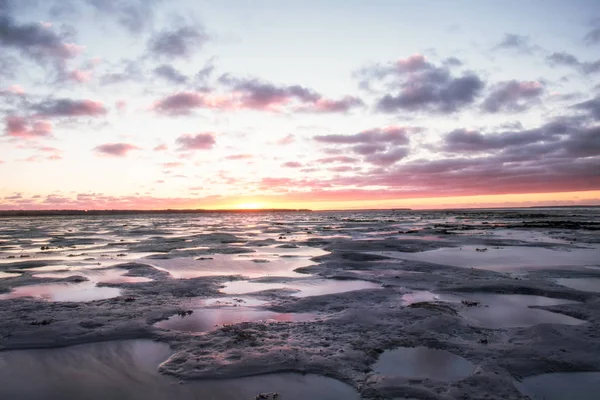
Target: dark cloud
(178, 43)
(170, 74)
(387, 158)
(512, 96)
(567, 139)
(592, 106)
(115, 149)
(125, 71)
(133, 15)
(433, 92)
(200, 141)
(69, 108)
(379, 146)
(566, 59)
(393, 135)
(592, 37)
(35, 41)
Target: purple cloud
(70, 108)
(115, 149)
(200, 141)
(512, 96)
(169, 73)
(178, 43)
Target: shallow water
(503, 259)
(84, 291)
(583, 284)
(560, 386)
(423, 363)
(303, 288)
(127, 370)
(207, 319)
(510, 311)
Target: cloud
(592, 106)
(170, 74)
(592, 37)
(292, 164)
(393, 134)
(336, 159)
(200, 141)
(133, 15)
(421, 86)
(183, 103)
(239, 157)
(161, 147)
(333, 106)
(567, 59)
(287, 139)
(178, 43)
(379, 146)
(80, 76)
(35, 41)
(115, 149)
(21, 127)
(516, 42)
(70, 108)
(512, 96)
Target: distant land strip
(50, 213)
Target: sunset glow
(298, 104)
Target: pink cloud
(21, 127)
(121, 105)
(239, 157)
(337, 159)
(13, 89)
(292, 164)
(115, 149)
(332, 106)
(415, 62)
(161, 147)
(182, 103)
(80, 76)
(171, 164)
(200, 141)
(288, 139)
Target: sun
(249, 206)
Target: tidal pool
(583, 284)
(207, 319)
(128, 370)
(304, 287)
(562, 385)
(79, 292)
(423, 363)
(512, 310)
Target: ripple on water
(423, 363)
(127, 370)
(562, 385)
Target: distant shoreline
(51, 213)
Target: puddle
(8, 274)
(254, 266)
(97, 275)
(207, 319)
(506, 258)
(511, 311)
(583, 284)
(80, 292)
(424, 295)
(128, 370)
(562, 385)
(423, 363)
(304, 288)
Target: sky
(338, 104)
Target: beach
(388, 304)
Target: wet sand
(311, 305)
